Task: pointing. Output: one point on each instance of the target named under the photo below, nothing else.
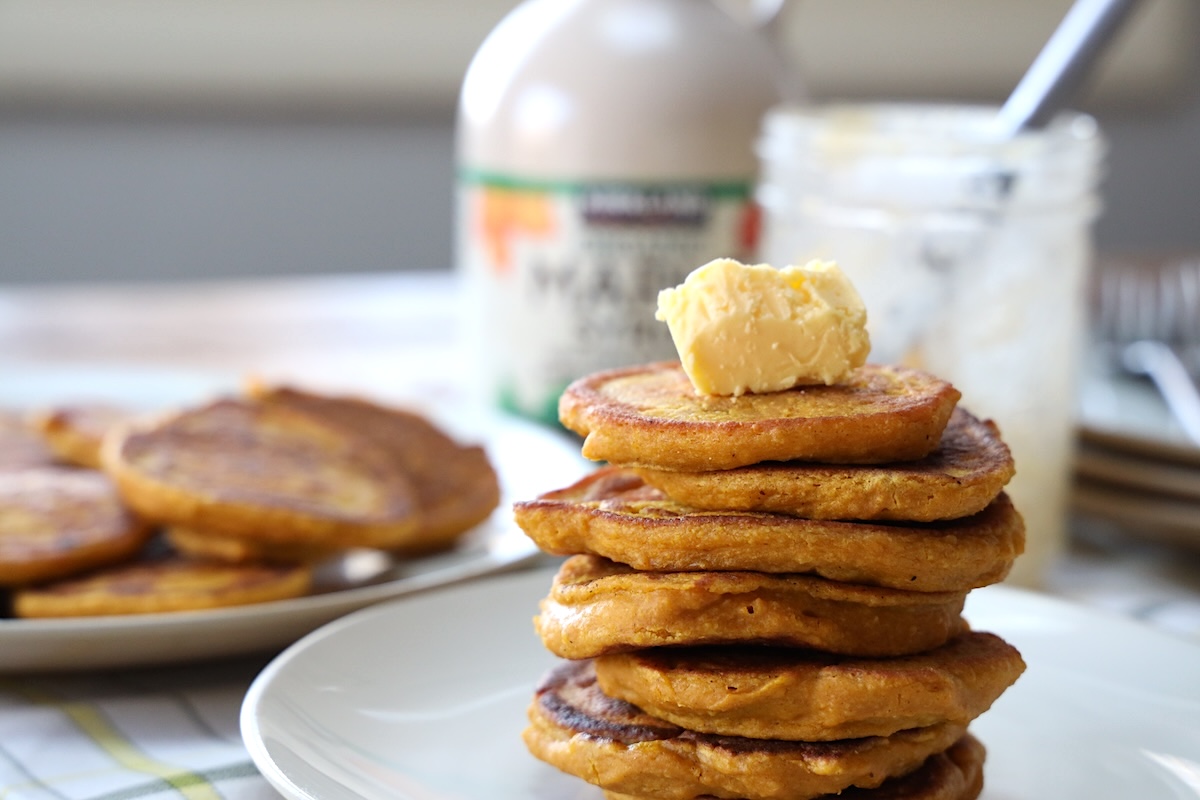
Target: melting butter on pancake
(753, 328)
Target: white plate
(529, 458)
(1127, 414)
(424, 699)
(1129, 471)
(1171, 520)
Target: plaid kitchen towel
(166, 733)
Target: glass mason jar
(970, 252)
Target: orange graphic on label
(503, 213)
(750, 228)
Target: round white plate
(1136, 473)
(1155, 517)
(1127, 414)
(528, 458)
(424, 699)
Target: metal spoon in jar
(1063, 64)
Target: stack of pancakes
(231, 502)
(764, 593)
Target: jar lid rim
(918, 130)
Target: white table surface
(391, 335)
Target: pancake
(970, 466)
(651, 416)
(610, 743)
(262, 471)
(956, 774)
(455, 485)
(56, 522)
(597, 606)
(21, 447)
(803, 695)
(201, 545)
(163, 586)
(74, 433)
(612, 513)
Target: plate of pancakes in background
(152, 517)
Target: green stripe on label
(724, 189)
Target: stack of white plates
(1135, 465)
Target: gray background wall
(168, 181)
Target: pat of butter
(754, 328)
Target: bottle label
(566, 274)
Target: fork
(1150, 321)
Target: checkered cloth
(166, 733)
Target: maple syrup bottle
(605, 150)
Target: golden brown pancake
(21, 447)
(57, 521)
(956, 774)
(597, 606)
(651, 416)
(612, 513)
(263, 471)
(803, 695)
(610, 743)
(173, 585)
(239, 550)
(456, 487)
(961, 477)
(74, 433)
